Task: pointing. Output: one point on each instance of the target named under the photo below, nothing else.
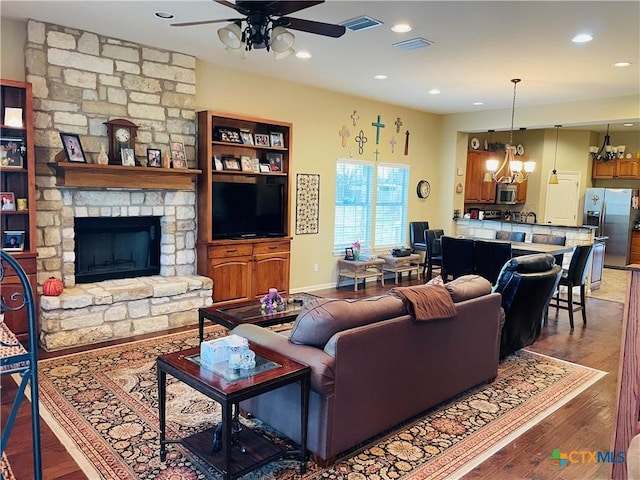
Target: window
(371, 204)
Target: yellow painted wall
(13, 37)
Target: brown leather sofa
(373, 366)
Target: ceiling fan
(266, 24)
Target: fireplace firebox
(109, 248)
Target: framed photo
(13, 240)
(231, 163)
(255, 165)
(348, 254)
(246, 137)
(178, 159)
(127, 157)
(261, 139)
(13, 152)
(176, 146)
(265, 168)
(217, 162)
(277, 139)
(73, 147)
(154, 157)
(275, 161)
(8, 201)
(227, 134)
(13, 117)
(247, 166)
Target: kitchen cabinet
(624, 168)
(521, 194)
(634, 254)
(476, 189)
(628, 168)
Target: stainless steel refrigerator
(610, 209)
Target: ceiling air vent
(361, 23)
(413, 43)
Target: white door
(563, 199)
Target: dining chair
(513, 236)
(575, 276)
(417, 239)
(551, 240)
(457, 257)
(490, 256)
(434, 251)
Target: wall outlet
(315, 267)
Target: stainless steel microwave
(506, 194)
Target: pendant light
(553, 178)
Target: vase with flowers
(272, 301)
(356, 250)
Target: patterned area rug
(102, 404)
(5, 469)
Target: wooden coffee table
(250, 312)
(247, 449)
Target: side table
(360, 270)
(399, 265)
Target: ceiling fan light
(280, 55)
(240, 52)
(281, 39)
(231, 36)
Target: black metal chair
(490, 256)
(512, 236)
(417, 239)
(457, 257)
(551, 240)
(434, 251)
(575, 276)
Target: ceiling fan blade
(236, 6)
(286, 7)
(311, 26)
(205, 22)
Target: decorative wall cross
(393, 144)
(378, 126)
(376, 153)
(344, 133)
(361, 139)
(398, 124)
(406, 143)
(355, 117)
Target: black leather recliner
(527, 284)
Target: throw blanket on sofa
(426, 302)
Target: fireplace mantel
(80, 175)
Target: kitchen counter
(513, 222)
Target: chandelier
(607, 151)
(518, 171)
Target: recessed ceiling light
(622, 64)
(434, 91)
(478, 103)
(582, 38)
(164, 15)
(401, 28)
(303, 55)
(380, 77)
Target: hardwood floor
(584, 424)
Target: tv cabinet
(242, 269)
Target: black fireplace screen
(116, 247)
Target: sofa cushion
(467, 287)
(321, 318)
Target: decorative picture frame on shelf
(154, 157)
(73, 147)
(217, 163)
(247, 139)
(277, 139)
(127, 157)
(245, 161)
(8, 202)
(13, 117)
(227, 134)
(176, 146)
(13, 240)
(231, 163)
(348, 254)
(275, 161)
(261, 140)
(255, 165)
(178, 159)
(265, 168)
(13, 152)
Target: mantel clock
(121, 134)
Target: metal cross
(376, 153)
(344, 133)
(355, 117)
(393, 144)
(378, 126)
(398, 124)
(361, 139)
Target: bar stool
(513, 236)
(551, 240)
(434, 251)
(417, 239)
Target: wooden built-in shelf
(118, 176)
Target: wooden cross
(393, 144)
(344, 133)
(378, 126)
(376, 153)
(355, 117)
(398, 124)
(406, 143)
(361, 139)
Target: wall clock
(424, 189)
(121, 134)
